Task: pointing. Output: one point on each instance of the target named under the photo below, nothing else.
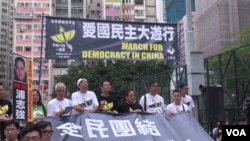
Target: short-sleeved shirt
(5, 110)
(56, 105)
(188, 100)
(125, 107)
(154, 103)
(110, 103)
(5, 107)
(86, 100)
(174, 109)
(38, 111)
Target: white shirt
(56, 105)
(154, 103)
(188, 100)
(86, 100)
(174, 109)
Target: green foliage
(242, 38)
(120, 74)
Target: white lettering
(235, 132)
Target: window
(28, 4)
(19, 48)
(45, 5)
(19, 37)
(27, 48)
(37, 5)
(35, 82)
(20, 4)
(139, 2)
(36, 48)
(37, 37)
(28, 37)
(37, 27)
(28, 26)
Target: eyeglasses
(48, 132)
(31, 139)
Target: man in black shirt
(107, 102)
(130, 105)
(5, 109)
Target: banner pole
(41, 55)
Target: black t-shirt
(110, 103)
(125, 107)
(5, 109)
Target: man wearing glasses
(152, 102)
(46, 128)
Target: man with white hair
(84, 100)
(57, 106)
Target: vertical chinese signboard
(22, 88)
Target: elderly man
(84, 100)
(58, 106)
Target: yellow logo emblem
(64, 36)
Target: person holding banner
(20, 69)
(177, 106)
(106, 101)
(58, 105)
(130, 105)
(84, 100)
(152, 102)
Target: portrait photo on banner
(20, 68)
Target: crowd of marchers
(85, 100)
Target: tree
(120, 74)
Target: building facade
(27, 40)
(6, 44)
(214, 19)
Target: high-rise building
(27, 39)
(95, 9)
(216, 18)
(176, 9)
(6, 44)
(70, 9)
